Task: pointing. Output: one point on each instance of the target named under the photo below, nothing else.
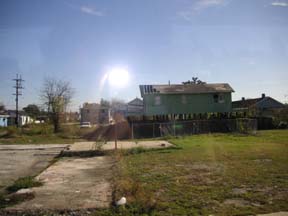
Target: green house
(186, 98)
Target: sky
(240, 42)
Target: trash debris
(122, 201)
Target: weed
(24, 182)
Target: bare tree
(56, 95)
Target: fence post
(174, 127)
(153, 130)
(132, 130)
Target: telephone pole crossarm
(18, 93)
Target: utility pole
(18, 86)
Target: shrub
(10, 132)
(37, 129)
(282, 125)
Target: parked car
(85, 125)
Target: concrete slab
(25, 160)
(73, 183)
(28, 147)
(88, 146)
(275, 214)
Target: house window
(157, 100)
(218, 98)
(215, 97)
(221, 98)
(184, 99)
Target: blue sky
(241, 42)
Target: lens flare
(118, 77)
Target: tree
(2, 107)
(32, 110)
(56, 95)
(195, 80)
(104, 103)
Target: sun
(118, 77)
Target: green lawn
(219, 174)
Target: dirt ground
(24, 160)
(107, 132)
(73, 183)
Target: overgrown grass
(206, 174)
(24, 182)
(41, 134)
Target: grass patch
(42, 134)
(9, 198)
(24, 182)
(220, 174)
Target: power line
(18, 93)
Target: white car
(85, 125)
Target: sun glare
(118, 77)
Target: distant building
(94, 113)
(71, 116)
(186, 98)
(4, 120)
(23, 118)
(135, 107)
(119, 108)
(262, 106)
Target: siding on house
(186, 99)
(23, 118)
(94, 113)
(264, 106)
(135, 107)
(185, 104)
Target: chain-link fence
(176, 128)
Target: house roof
(12, 113)
(91, 106)
(246, 103)
(136, 101)
(188, 88)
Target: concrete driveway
(25, 160)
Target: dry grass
(220, 174)
(42, 134)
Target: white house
(4, 120)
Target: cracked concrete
(25, 160)
(73, 183)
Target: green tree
(32, 110)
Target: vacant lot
(219, 174)
(42, 134)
